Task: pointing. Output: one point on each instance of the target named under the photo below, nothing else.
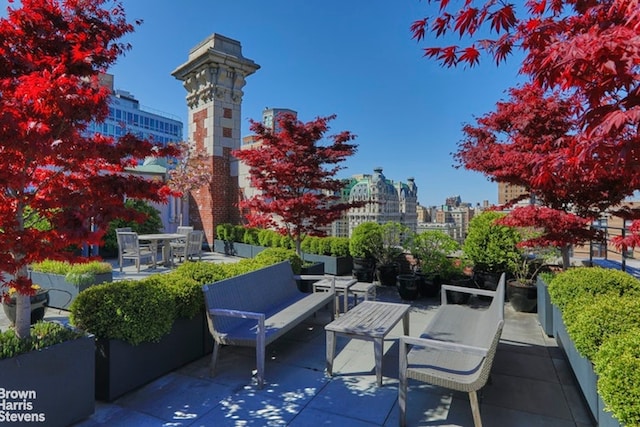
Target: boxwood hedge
(617, 364)
(144, 310)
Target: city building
(386, 200)
(126, 115)
(508, 192)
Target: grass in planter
(77, 273)
(43, 334)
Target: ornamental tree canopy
(53, 172)
(294, 175)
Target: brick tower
(214, 77)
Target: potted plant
(65, 280)
(458, 272)
(431, 250)
(386, 253)
(522, 291)
(491, 247)
(364, 241)
(39, 303)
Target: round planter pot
(407, 286)
(523, 297)
(387, 274)
(39, 303)
(455, 297)
(363, 269)
(429, 286)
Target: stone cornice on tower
(215, 69)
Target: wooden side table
(369, 321)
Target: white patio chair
(129, 248)
(178, 246)
(194, 245)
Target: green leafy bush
(617, 364)
(366, 239)
(272, 256)
(251, 236)
(77, 273)
(590, 320)
(152, 224)
(129, 310)
(226, 232)
(339, 246)
(185, 292)
(324, 245)
(491, 247)
(43, 335)
(568, 285)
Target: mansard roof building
(386, 200)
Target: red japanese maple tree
(530, 141)
(586, 54)
(294, 175)
(53, 172)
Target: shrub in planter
(339, 246)
(617, 364)
(77, 273)
(251, 236)
(129, 310)
(490, 246)
(568, 285)
(591, 320)
(43, 334)
(275, 255)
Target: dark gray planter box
(314, 269)
(242, 250)
(61, 292)
(338, 266)
(219, 246)
(122, 367)
(583, 371)
(59, 381)
(545, 310)
(255, 250)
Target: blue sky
(354, 58)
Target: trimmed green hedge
(134, 311)
(601, 309)
(618, 367)
(144, 310)
(575, 282)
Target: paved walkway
(531, 384)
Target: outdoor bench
(456, 349)
(256, 308)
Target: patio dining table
(166, 238)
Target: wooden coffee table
(369, 321)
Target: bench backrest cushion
(261, 291)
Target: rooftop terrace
(531, 383)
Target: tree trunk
(566, 262)
(23, 315)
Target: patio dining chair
(194, 245)
(179, 246)
(129, 248)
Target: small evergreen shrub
(617, 364)
(591, 320)
(129, 310)
(339, 246)
(238, 234)
(251, 236)
(568, 285)
(226, 232)
(184, 291)
(272, 256)
(42, 335)
(324, 245)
